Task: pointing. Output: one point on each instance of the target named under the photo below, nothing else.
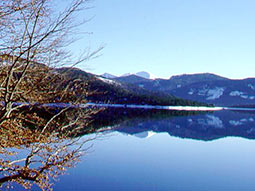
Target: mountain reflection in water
(169, 151)
(206, 127)
(170, 158)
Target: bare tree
(33, 41)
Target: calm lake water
(212, 151)
(176, 150)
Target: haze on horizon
(167, 38)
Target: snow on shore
(134, 106)
(181, 108)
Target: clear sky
(170, 37)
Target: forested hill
(204, 87)
(108, 91)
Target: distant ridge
(198, 77)
(202, 87)
(132, 79)
(109, 76)
(104, 90)
(141, 74)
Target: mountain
(206, 87)
(166, 85)
(111, 91)
(185, 79)
(109, 76)
(132, 79)
(220, 92)
(126, 74)
(141, 74)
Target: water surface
(210, 151)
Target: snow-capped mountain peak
(109, 76)
(146, 75)
(126, 74)
(142, 74)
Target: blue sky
(170, 37)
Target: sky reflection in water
(121, 161)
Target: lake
(197, 151)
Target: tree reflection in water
(37, 148)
